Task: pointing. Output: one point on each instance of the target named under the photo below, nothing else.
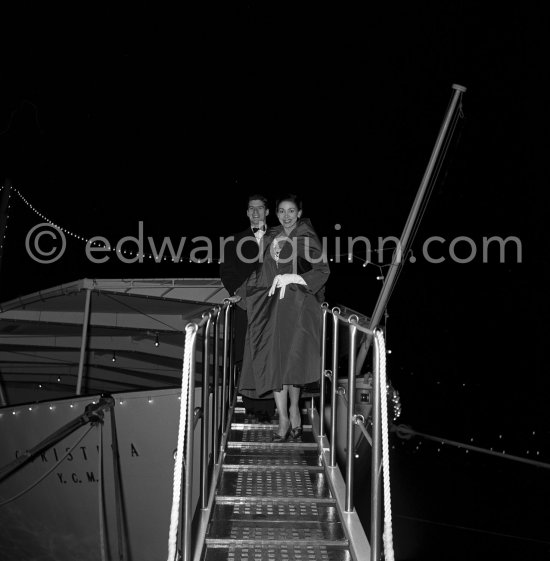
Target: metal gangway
(264, 501)
(247, 498)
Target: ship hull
(89, 502)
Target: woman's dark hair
(289, 197)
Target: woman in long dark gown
(282, 298)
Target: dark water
(452, 505)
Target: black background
(115, 114)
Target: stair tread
(278, 482)
(263, 435)
(261, 456)
(277, 510)
(282, 541)
(241, 416)
(265, 466)
(272, 552)
(253, 499)
(262, 530)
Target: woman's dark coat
(283, 339)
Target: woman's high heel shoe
(295, 434)
(278, 438)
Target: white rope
(388, 534)
(178, 466)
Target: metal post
(83, 344)
(376, 459)
(231, 379)
(334, 387)
(3, 397)
(215, 385)
(225, 367)
(322, 374)
(205, 411)
(350, 452)
(190, 431)
(401, 253)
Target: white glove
(280, 281)
(234, 299)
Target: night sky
(111, 115)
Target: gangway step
(276, 520)
(279, 533)
(262, 456)
(276, 529)
(271, 552)
(242, 435)
(280, 510)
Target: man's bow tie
(256, 229)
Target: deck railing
(218, 388)
(331, 339)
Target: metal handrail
(188, 457)
(214, 425)
(332, 438)
(205, 436)
(352, 321)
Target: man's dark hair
(257, 197)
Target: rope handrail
(191, 331)
(388, 532)
(189, 417)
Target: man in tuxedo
(240, 258)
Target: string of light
(85, 239)
(365, 263)
(46, 219)
(405, 433)
(157, 257)
(6, 221)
